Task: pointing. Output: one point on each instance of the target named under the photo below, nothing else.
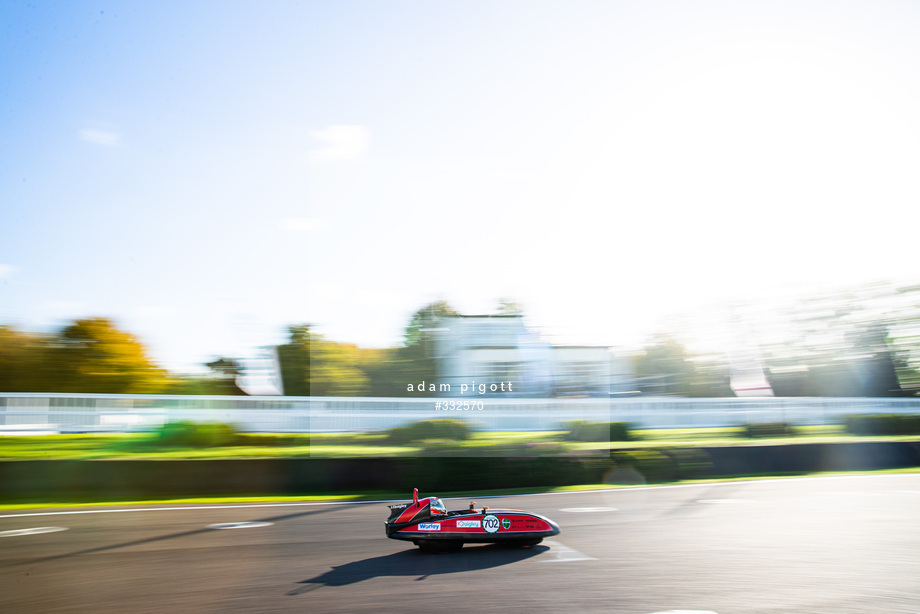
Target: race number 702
(490, 524)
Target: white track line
(32, 531)
(560, 553)
(193, 507)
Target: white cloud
(7, 271)
(300, 224)
(341, 143)
(101, 135)
(155, 311)
(65, 309)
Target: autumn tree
(92, 355)
(23, 361)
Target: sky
(207, 174)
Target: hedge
(441, 447)
(768, 429)
(883, 424)
(666, 465)
(583, 430)
(136, 479)
(196, 434)
(455, 430)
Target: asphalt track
(833, 545)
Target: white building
(475, 352)
(260, 375)
(497, 355)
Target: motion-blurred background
(588, 199)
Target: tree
(93, 355)
(23, 361)
(417, 358)
(665, 368)
(509, 307)
(294, 358)
(313, 365)
(224, 374)
(424, 320)
(386, 371)
(335, 370)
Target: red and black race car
(428, 525)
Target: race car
(427, 524)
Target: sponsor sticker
(468, 524)
(506, 523)
(490, 524)
(429, 526)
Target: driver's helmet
(437, 507)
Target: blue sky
(208, 173)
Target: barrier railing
(69, 413)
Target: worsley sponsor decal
(506, 523)
(429, 526)
(468, 524)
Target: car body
(429, 525)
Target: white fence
(71, 413)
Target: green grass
(357, 445)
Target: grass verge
(363, 445)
